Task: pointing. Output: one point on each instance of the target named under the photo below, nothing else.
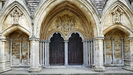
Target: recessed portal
(19, 48)
(56, 50)
(75, 50)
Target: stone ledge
(128, 68)
(5, 70)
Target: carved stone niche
(65, 22)
(117, 15)
(16, 14)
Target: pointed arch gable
(14, 28)
(15, 4)
(44, 10)
(120, 27)
(114, 5)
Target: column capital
(66, 40)
(99, 38)
(130, 38)
(46, 41)
(3, 39)
(85, 41)
(34, 39)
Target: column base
(5, 66)
(35, 69)
(128, 68)
(99, 68)
(6, 69)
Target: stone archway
(67, 18)
(18, 47)
(116, 48)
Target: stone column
(47, 52)
(131, 52)
(66, 52)
(34, 55)
(99, 55)
(129, 65)
(4, 64)
(85, 53)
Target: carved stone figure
(16, 14)
(65, 22)
(117, 15)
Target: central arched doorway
(75, 50)
(67, 18)
(56, 50)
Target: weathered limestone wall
(33, 4)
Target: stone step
(67, 71)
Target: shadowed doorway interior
(56, 50)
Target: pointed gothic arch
(78, 32)
(116, 5)
(120, 27)
(15, 5)
(55, 32)
(14, 28)
(48, 6)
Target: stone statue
(117, 15)
(16, 14)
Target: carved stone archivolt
(16, 14)
(117, 15)
(65, 22)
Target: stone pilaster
(34, 55)
(129, 65)
(4, 65)
(99, 55)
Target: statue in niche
(117, 16)
(65, 22)
(16, 14)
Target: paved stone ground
(67, 71)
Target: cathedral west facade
(42, 33)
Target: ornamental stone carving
(65, 23)
(16, 14)
(117, 15)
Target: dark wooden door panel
(75, 50)
(56, 50)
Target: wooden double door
(57, 50)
